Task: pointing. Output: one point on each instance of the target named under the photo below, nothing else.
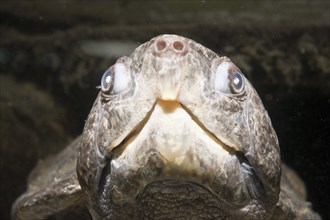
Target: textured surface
(52, 187)
(292, 203)
(25, 138)
(224, 150)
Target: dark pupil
(107, 80)
(237, 80)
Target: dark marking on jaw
(104, 177)
(254, 185)
(156, 165)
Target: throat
(178, 200)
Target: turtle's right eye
(116, 79)
(107, 81)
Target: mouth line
(226, 147)
(168, 107)
(132, 134)
(142, 162)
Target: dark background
(53, 54)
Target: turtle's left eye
(228, 79)
(236, 82)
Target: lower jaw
(183, 200)
(171, 199)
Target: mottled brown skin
(164, 142)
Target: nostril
(160, 45)
(178, 45)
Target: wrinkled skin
(176, 132)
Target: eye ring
(236, 82)
(107, 81)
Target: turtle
(176, 132)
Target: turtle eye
(115, 80)
(107, 81)
(236, 82)
(228, 79)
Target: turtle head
(174, 126)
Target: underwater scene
(53, 56)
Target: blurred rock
(32, 126)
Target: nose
(169, 44)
